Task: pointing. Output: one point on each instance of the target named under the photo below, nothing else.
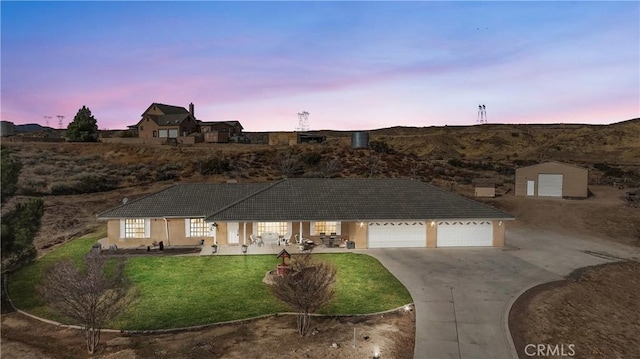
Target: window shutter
(147, 228)
(187, 227)
(122, 228)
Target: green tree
(19, 227)
(84, 127)
(9, 172)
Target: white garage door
(397, 234)
(550, 185)
(465, 233)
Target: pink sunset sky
(351, 65)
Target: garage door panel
(405, 234)
(465, 233)
(550, 185)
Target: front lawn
(185, 291)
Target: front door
(233, 232)
(531, 185)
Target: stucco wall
(432, 234)
(158, 232)
(498, 233)
(575, 180)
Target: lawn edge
(407, 307)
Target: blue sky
(351, 65)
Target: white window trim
(187, 228)
(123, 228)
(255, 227)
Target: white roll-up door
(549, 185)
(465, 233)
(398, 234)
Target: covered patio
(274, 249)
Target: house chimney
(191, 110)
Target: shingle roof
(184, 200)
(308, 199)
(169, 109)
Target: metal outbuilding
(552, 179)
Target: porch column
(300, 238)
(244, 233)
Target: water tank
(360, 140)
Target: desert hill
(79, 180)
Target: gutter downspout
(166, 227)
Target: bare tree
(287, 163)
(308, 288)
(332, 167)
(89, 297)
(415, 167)
(372, 163)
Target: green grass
(185, 291)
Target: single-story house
(552, 179)
(167, 121)
(484, 187)
(220, 131)
(373, 213)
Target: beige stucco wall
(432, 234)
(358, 234)
(283, 138)
(498, 233)
(575, 180)
(158, 232)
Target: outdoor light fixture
(433, 223)
(361, 224)
(500, 223)
(407, 308)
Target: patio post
(300, 231)
(244, 233)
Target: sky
(350, 65)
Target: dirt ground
(391, 334)
(596, 309)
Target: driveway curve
(462, 295)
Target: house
(221, 131)
(552, 179)
(373, 213)
(166, 121)
(484, 187)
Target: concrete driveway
(462, 296)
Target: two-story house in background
(166, 121)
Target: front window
(326, 227)
(134, 228)
(272, 227)
(198, 227)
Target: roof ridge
(246, 198)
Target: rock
(335, 345)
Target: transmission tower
(60, 118)
(303, 121)
(46, 120)
(482, 114)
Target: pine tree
(84, 127)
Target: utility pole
(60, 118)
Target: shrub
(380, 147)
(213, 165)
(311, 158)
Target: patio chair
(287, 238)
